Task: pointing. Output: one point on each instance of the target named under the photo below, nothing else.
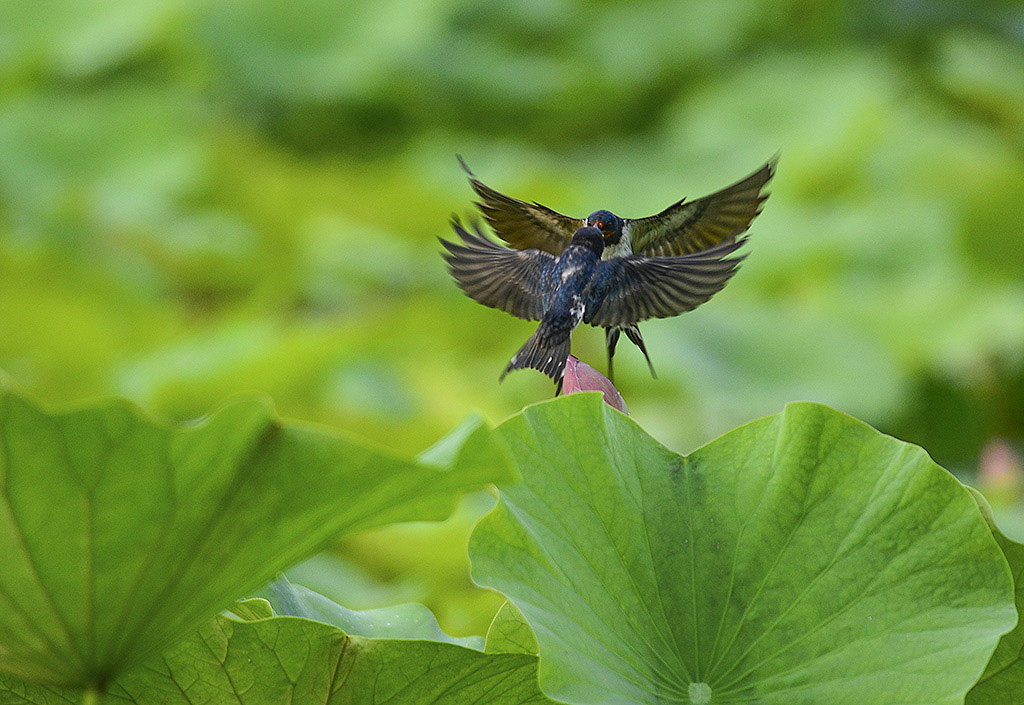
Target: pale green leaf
(408, 621)
(802, 558)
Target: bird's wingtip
(465, 167)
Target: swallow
(578, 286)
(685, 227)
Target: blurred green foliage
(203, 198)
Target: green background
(199, 199)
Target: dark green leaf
(303, 662)
(1002, 682)
(118, 534)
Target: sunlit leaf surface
(802, 558)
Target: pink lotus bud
(581, 377)
(1000, 473)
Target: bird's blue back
(573, 270)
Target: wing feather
(523, 225)
(627, 290)
(693, 226)
(518, 282)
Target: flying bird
(685, 227)
(578, 286)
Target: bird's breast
(619, 249)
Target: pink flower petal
(581, 377)
(1000, 473)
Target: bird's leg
(633, 333)
(558, 386)
(611, 339)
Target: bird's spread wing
(626, 290)
(693, 226)
(515, 281)
(523, 225)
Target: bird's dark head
(609, 224)
(589, 237)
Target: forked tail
(611, 339)
(544, 352)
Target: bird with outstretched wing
(685, 227)
(579, 286)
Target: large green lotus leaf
(304, 662)
(119, 534)
(1002, 683)
(802, 558)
